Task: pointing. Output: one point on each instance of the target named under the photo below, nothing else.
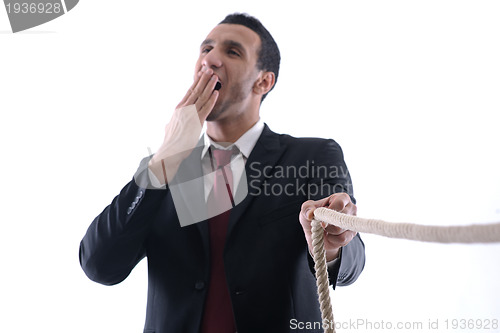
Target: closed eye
(232, 52)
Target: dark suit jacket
(269, 271)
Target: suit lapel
(264, 156)
(193, 167)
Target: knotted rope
(477, 233)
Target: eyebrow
(207, 42)
(229, 42)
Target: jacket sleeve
(115, 241)
(347, 268)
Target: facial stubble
(235, 94)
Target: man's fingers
(305, 208)
(199, 89)
(339, 201)
(207, 107)
(183, 102)
(336, 241)
(350, 209)
(309, 206)
(334, 230)
(335, 237)
(206, 94)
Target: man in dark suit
(244, 265)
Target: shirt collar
(245, 143)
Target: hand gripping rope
(477, 233)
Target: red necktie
(218, 314)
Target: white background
(410, 89)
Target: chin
(211, 117)
(214, 115)
(216, 112)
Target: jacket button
(129, 210)
(199, 285)
(240, 292)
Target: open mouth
(218, 85)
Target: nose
(212, 59)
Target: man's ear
(264, 83)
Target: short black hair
(269, 54)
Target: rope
(477, 233)
(322, 275)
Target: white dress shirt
(245, 146)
